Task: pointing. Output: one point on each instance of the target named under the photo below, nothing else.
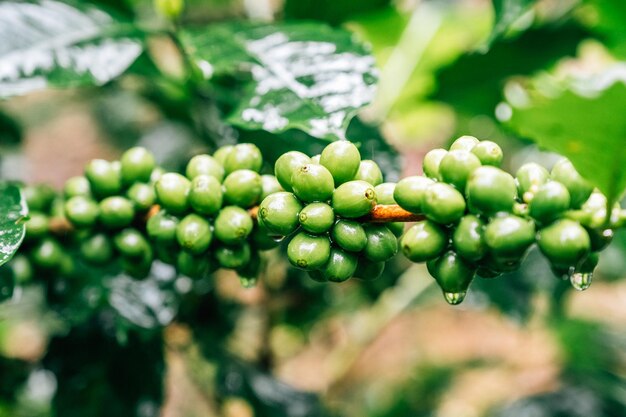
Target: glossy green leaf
(306, 76)
(583, 125)
(13, 210)
(49, 43)
(506, 13)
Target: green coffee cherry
(157, 173)
(382, 244)
(233, 256)
(565, 242)
(423, 241)
(490, 190)
(397, 228)
(167, 251)
(509, 236)
(317, 275)
(489, 153)
(193, 266)
(468, 239)
(341, 265)
(137, 165)
(222, 153)
(131, 243)
(549, 202)
(204, 165)
(243, 156)
(313, 183)
(317, 217)
(138, 266)
(456, 167)
(142, 196)
(315, 159)
(599, 238)
(367, 270)
(349, 235)
(104, 177)
(262, 239)
(410, 192)
(370, 172)
(464, 143)
(287, 165)
(77, 186)
(529, 178)
(116, 212)
(278, 213)
(579, 188)
(21, 268)
(269, 185)
(342, 159)
(242, 188)
(82, 211)
(443, 203)
(452, 273)
(353, 199)
(172, 191)
(47, 254)
(384, 193)
(162, 227)
(97, 249)
(233, 225)
(39, 197)
(37, 225)
(502, 264)
(193, 234)
(205, 195)
(308, 251)
(431, 162)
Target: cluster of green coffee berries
(324, 199)
(480, 220)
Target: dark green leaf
(49, 43)
(506, 13)
(306, 76)
(584, 127)
(13, 210)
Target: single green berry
(82, 211)
(172, 192)
(287, 165)
(157, 173)
(77, 186)
(37, 225)
(162, 227)
(97, 249)
(313, 183)
(47, 254)
(308, 251)
(509, 235)
(193, 234)
(243, 156)
(431, 162)
(317, 217)
(367, 270)
(382, 244)
(138, 266)
(342, 158)
(262, 239)
(205, 196)
(468, 239)
(549, 202)
(370, 172)
(457, 166)
(490, 190)
(600, 238)
(384, 193)
(137, 165)
(193, 266)
(39, 197)
(565, 242)
(341, 265)
(116, 212)
(317, 275)
(489, 153)
(502, 264)
(452, 273)
(349, 235)
(424, 241)
(315, 159)
(242, 188)
(22, 269)
(142, 195)
(131, 243)
(167, 251)
(410, 192)
(464, 143)
(233, 225)
(104, 177)
(222, 153)
(579, 188)
(354, 199)
(529, 178)
(443, 203)
(204, 165)
(278, 213)
(269, 185)
(233, 256)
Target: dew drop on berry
(581, 280)
(248, 282)
(454, 298)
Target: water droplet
(581, 280)
(248, 282)
(454, 298)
